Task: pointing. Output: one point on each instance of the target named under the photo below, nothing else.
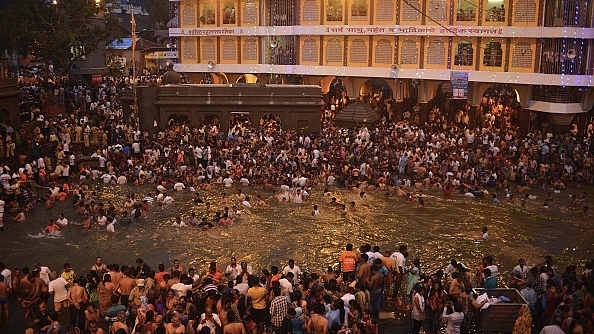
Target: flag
(133, 29)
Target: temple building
(539, 49)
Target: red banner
(96, 79)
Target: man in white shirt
(286, 283)
(180, 289)
(57, 287)
(167, 199)
(111, 226)
(489, 264)
(178, 222)
(399, 258)
(291, 267)
(179, 186)
(62, 221)
(122, 179)
(232, 270)
(7, 275)
(246, 202)
(44, 272)
(521, 269)
(228, 182)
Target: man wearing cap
(58, 288)
(134, 300)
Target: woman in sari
(523, 323)
(105, 289)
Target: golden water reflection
(445, 228)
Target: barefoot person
(4, 298)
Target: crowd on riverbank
(234, 298)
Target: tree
(158, 12)
(59, 32)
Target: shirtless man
(127, 283)
(77, 295)
(4, 298)
(99, 266)
(176, 266)
(233, 327)
(31, 292)
(93, 328)
(120, 323)
(317, 323)
(16, 280)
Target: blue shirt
(490, 283)
(333, 317)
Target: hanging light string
(442, 25)
(455, 33)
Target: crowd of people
(235, 299)
(395, 158)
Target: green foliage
(48, 29)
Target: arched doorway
(177, 119)
(207, 79)
(247, 78)
(378, 93)
(270, 122)
(499, 108)
(240, 120)
(338, 94)
(212, 119)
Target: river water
(447, 227)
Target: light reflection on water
(446, 228)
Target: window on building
(229, 13)
(250, 13)
(358, 52)
(464, 54)
(359, 10)
(571, 13)
(409, 53)
(493, 55)
(311, 11)
(522, 55)
(209, 50)
(334, 51)
(525, 11)
(436, 53)
(384, 11)
(229, 49)
(189, 49)
(411, 10)
(209, 13)
(189, 16)
(334, 11)
(438, 10)
(495, 11)
(250, 49)
(383, 52)
(282, 12)
(310, 51)
(466, 10)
